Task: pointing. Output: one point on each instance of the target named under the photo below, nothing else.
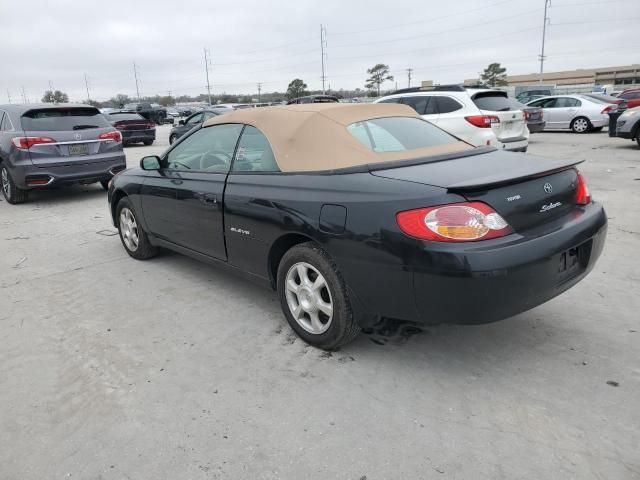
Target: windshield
(62, 119)
(396, 134)
(114, 117)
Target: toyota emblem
(548, 187)
(79, 137)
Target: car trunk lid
(526, 190)
(72, 135)
(496, 103)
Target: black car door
(182, 202)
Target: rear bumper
(481, 283)
(518, 144)
(71, 173)
(138, 135)
(536, 127)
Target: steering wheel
(214, 157)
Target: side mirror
(152, 162)
(181, 122)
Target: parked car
(631, 96)
(628, 125)
(533, 116)
(578, 113)
(196, 119)
(607, 99)
(356, 212)
(51, 145)
(314, 99)
(156, 114)
(133, 127)
(478, 116)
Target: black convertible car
(354, 212)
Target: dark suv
(45, 145)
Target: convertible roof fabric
(314, 137)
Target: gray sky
(274, 41)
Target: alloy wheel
(129, 229)
(308, 298)
(6, 183)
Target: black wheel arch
(115, 199)
(278, 248)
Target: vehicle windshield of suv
(131, 106)
(396, 134)
(61, 119)
(492, 101)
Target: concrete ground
(172, 369)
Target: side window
(567, 102)
(537, 103)
(254, 153)
(207, 150)
(447, 104)
(391, 100)
(2, 115)
(207, 115)
(548, 103)
(195, 120)
(418, 103)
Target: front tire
(638, 137)
(581, 125)
(314, 298)
(12, 194)
(148, 142)
(134, 238)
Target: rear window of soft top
(62, 119)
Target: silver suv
(46, 145)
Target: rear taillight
(583, 197)
(482, 121)
(151, 126)
(526, 115)
(607, 109)
(114, 136)
(456, 222)
(25, 143)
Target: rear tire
(134, 238)
(581, 125)
(105, 184)
(148, 142)
(314, 298)
(638, 137)
(12, 194)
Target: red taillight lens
(115, 136)
(607, 109)
(482, 121)
(583, 197)
(526, 115)
(25, 143)
(456, 222)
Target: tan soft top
(314, 137)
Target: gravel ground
(172, 369)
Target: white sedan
(578, 113)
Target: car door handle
(208, 199)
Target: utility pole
(323, 32)
(9, 95)
(24, 95)
(86, 84)
(409, 72)
(206, 65)
(50, 86)
(135, 74)
(259, 92)
(547, 3)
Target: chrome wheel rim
(129, 229)
(580, 125)
(6, 185)
(308, 298)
